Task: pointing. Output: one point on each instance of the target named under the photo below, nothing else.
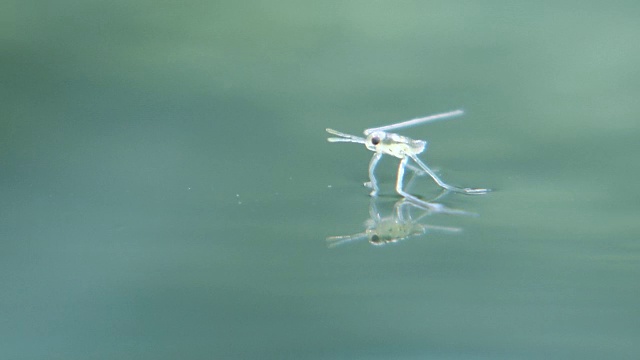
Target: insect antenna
(443, 228)
(417, 121)
(341, 239)
(344, 137)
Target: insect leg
(373, 183)
(409, 197)
(374, 213)
(417, 171)
(442, 183)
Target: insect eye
(375, 140)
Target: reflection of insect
(381, 142)
(399, 226)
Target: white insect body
(381, 142)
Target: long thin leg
(442, 183)
(406, 195)
(373, 183)
(425, 205)
(402, 211)
(417, 171)
(374, 213)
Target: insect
(382, 142)
(399, 226)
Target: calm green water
(167, 187)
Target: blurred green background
(166, 184)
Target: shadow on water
(401, 224)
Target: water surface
(167, 186)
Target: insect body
(381, 142)
(394, 144)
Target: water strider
(404, 148)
